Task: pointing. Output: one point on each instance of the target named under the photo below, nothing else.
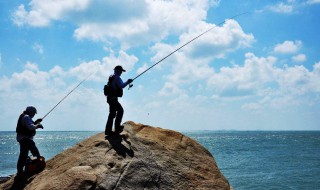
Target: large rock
(142, 157)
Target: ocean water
(49, 144)
(248, 159)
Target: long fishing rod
(185, 45)
(67, 95)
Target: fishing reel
(130, 86)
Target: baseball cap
(119, 68)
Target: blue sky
(259, 71)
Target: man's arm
(120, 84)
(29, 123)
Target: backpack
(107, 88)
(34, 166)
(109, 91)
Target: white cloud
(170, 89)
(313, 2)
(191, 64)
(131, 22)
(38, 48)
(163, 18)
(100, 70)
(103, 32)
(42, 12)
(288, 47)
(31, 66)
(282, 8)
(142, 69)
(299, 58)
(244, 81)
(217, 42)
(260, 80)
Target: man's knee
(112, 114)
(120, 108)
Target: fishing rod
(130, 85)
(66, 96)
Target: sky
(257, 71)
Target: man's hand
(130, 81)
(39, 126)
(38, 121)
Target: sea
(248, 159)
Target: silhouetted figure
(115, 108)
(26, 129)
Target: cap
(119, 68)
(31, 110)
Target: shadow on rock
(115, 141)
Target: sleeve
(119, 83)
(29, 123)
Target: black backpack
(34, 166)
(107, 88)
(109, 91)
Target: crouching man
(26, 129)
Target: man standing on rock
(26, 129)
(115, 108)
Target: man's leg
(112, 114)
(32, 147)
(22, 156)
(118, 127)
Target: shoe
(108, 133)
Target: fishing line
(68, 94)
(186, 44)
(150, 66)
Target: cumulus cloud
(31, 66)
(241, 81)
(43, 12)
(162, 18)
(218, 41)
(100, 70)
(32, 77)
(259, 77)
(131, 22)
(299, 58)
(191, 64)
(288, 47)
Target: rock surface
(141, 157)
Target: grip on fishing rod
(38, 121)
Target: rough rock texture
(141, 157)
